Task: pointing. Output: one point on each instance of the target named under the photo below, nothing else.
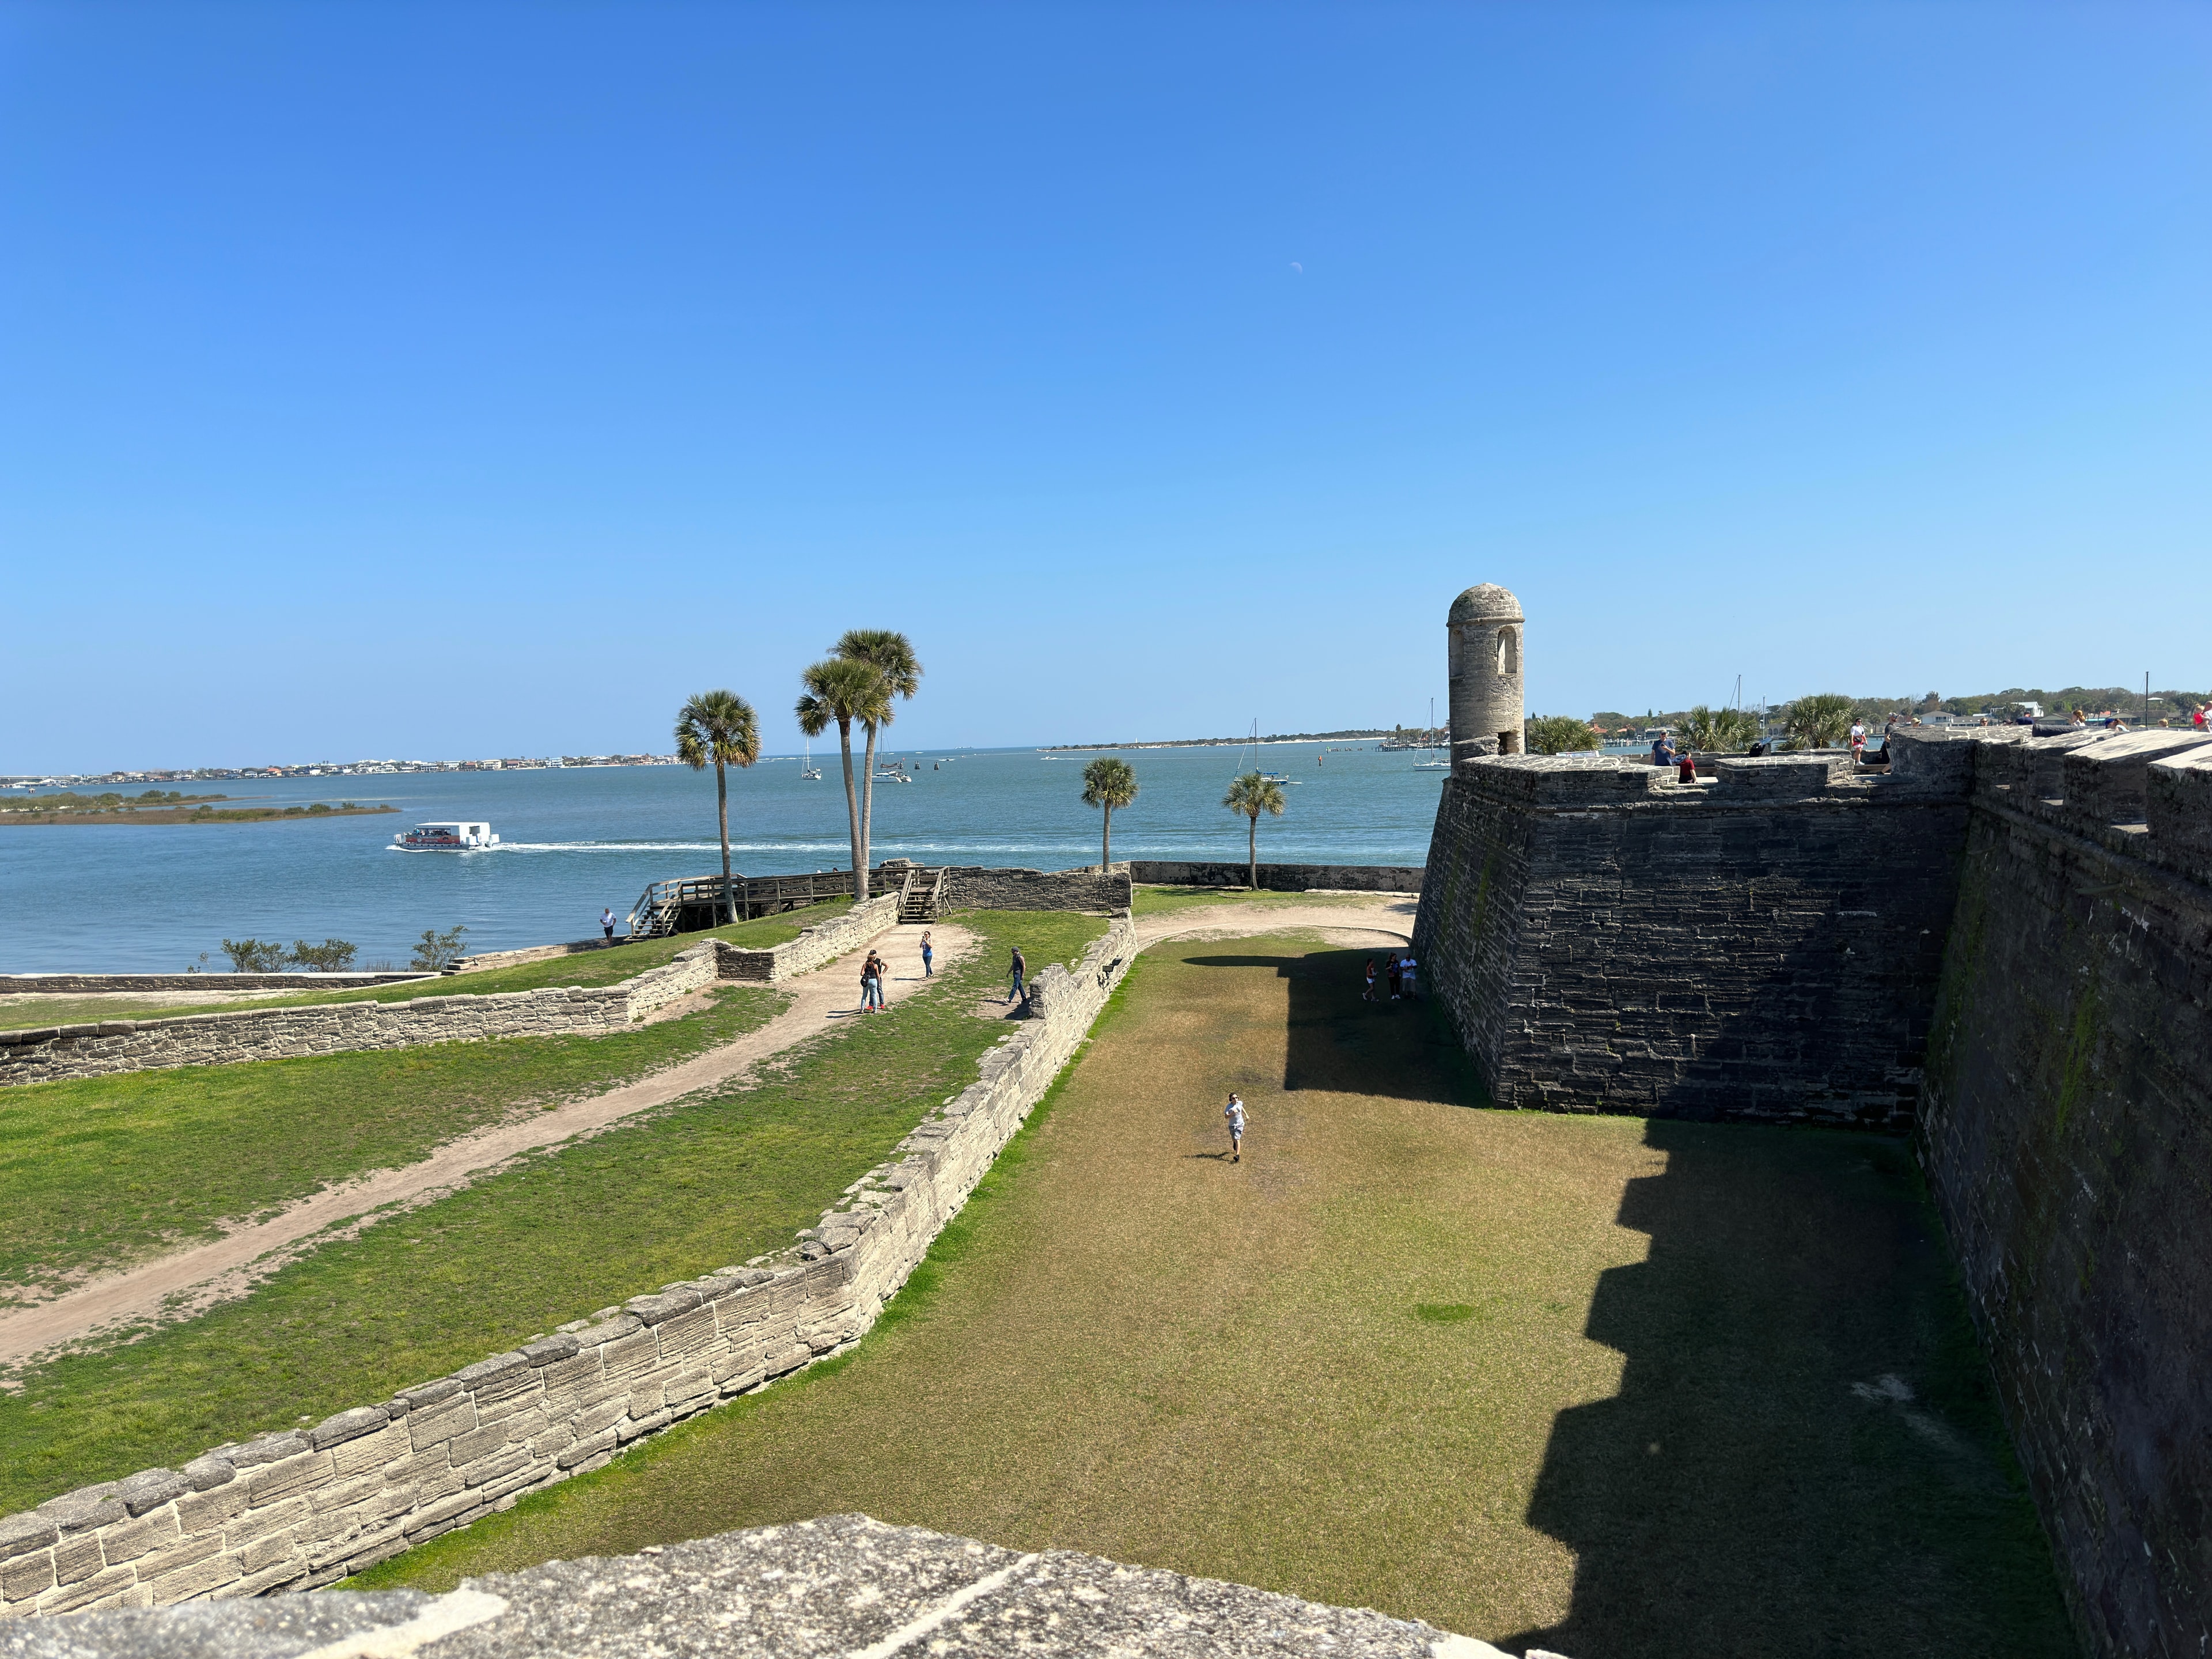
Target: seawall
(305, 1507)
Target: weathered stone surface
(1279, 877)
(150, 1489)
(21, 1534)
(837, 1587)
(346, 1425)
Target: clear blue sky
(445, 380)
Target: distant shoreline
(1414, 736)
(16, 815)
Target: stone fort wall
(2005, 947)
(305, 1507)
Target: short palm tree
(1716, 731)
(719, 727)
(1250, 793)
(890, 653)
(843, 689)
(1816, 721)
(1109, 783)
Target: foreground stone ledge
(304, 1507)
(842, 1586)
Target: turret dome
(1486, 602)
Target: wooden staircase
(921, 895)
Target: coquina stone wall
(305, 1507)
(2066, 1129)
(1763, 947)
(14, 985)
(2005, 946)
(969, 887)
(45, 1054)
(1282, 878)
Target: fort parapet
(2002, 946)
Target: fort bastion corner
(2002, 946)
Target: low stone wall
(97, 1049)
(969, 887)
(13, 985)
(824, 942)
(1281, 878)
(305, 1507)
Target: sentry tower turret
(1484, 630)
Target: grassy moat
(1611, 1386)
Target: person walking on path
(928, 955)
(1395, 972)
(1235, 1114)
(872, 984)
(1368, 995)
(607, 924)
(1408, 970)
(1019, 968)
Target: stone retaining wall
(60, 984)
(1281, 878)
(970, 887)
(824, 942)
(294, 1510)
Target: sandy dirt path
(1390, 916)
(183, 1283)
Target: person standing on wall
(1235, 1112)
(1019, 968)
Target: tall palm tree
(1250, 793)
(843, 689)
(890, 653)
(718, 726)
(1109, 783)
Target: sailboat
(808, 771)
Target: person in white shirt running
(1235, 1114)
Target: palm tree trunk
(722, 810)
(1106, 847)
(868, 801)
(852, 811)
(1252, 848)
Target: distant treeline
(1363, 734)
(156, 807)
(2089, 699)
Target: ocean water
(130, 898)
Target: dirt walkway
(1390, 915)
(180, 1285)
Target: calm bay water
(126, 898)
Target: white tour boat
(446, 838)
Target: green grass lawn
(1149, 901)
(1608, 1387)
(708, 1181)
(606, 967)
(97, 1171)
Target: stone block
(1771, 777)
(197, 1578)
(289, 1570)
(348, 1426)
(84, 1509)
(273, 1483)
(429, 1425)
(77, 1558)
(183, 1552)
(127, 1540)
(267, 1551)
(504, 1461)
(71, 1597)
(2178, 806)
(375, 1450)
(2108, 783)
(212, 1508)
(21, 1535)
(150, 1490)
(24, 1576)
(465, 1449)
(604, 1441)
(687, 1333)
(267, 1449)
(256, 1524)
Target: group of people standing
(1400, 972)
(875, 968)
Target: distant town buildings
(363, 768)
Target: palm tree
(1718, 730)
(1109, 783)
(890, 653)
(1250, 793)
(718, 726)
(1816, 721)
(844, 689)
